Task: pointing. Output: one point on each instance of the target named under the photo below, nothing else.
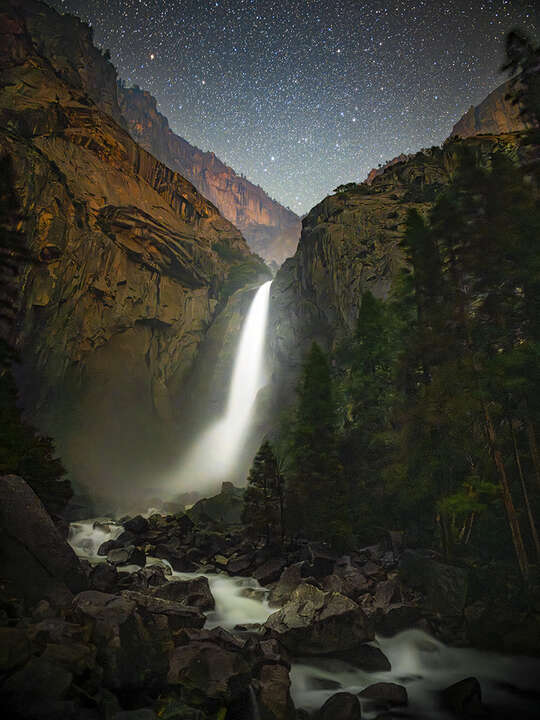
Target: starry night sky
(303, 95)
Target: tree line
(427, 418)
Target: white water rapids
(213, 456)
(419, 662)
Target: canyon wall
(272, 231)
(494, 115)
(350, 243)
(128, 266)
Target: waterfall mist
(214, 454)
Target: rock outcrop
(130, 262)
(271, 230)
(494, 115)
(350, 244)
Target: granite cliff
(494, 115)
(129, 263)
(350, 244)
(271, 230)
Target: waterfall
(214, 454)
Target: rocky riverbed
(184, 616)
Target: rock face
(350, 244)
(318, 623)
(494, 115)
(36, 562)
(130, 260)
(271, 230)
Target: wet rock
(132, 647)
(147, 578)
(240, 565)
(129, 555)
(179, 616)
(270, 571)
(316, 623)
(319, 561)
(194, 592)
(223, 510)
(387, 593)
(103, 577)
(37, 690)
(289, 580)
(274, 696)
(396, 618)
(464, 698)
(341, 706)
(136, 525)
(366, 657)
(15, 649)
(106, 547)
(444, 586)
(386, 693)
(78, 658)
(36, 561)
(209, 671)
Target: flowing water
(214, 455)
(419, 662)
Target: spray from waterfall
(213, 456)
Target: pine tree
(263, 498)
(318, 499)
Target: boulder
(194, 592)
(444, 586)
(319, 560)
(136, 525)
(463, 698)
(38, 690)
(147, 578)
(386, 693)
(209, 670)
(222, 510)
(132, 647)
(289, 580)
(36, 561)
(103, 577)
(129, 555)
(15, 649)
(396, 618)
(106, 547)
(317, 623)
(269, 571)
(366, 657)
(274, 696)
(179, 616)
(341, 706)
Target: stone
(136, 525)
(39, 687)
(106, 547)
(15, 649)
(341, 706)
(463, 698)
(129, 555)
(271, 230)
(366, 657)
(36, 562)
(289, 580)
(319, 561)
(274, 696)
(316, 623)
(386, 693)
(147, 578)
(103, 577)
(221, 510)
(179, 616)
(270, 571)
(194, 592)
(132, 647)
(209, 671)
(444, 586)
